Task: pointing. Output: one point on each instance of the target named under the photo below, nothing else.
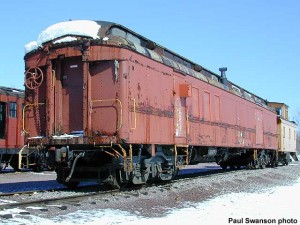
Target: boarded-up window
(217, 107)
(259, 126)
(206, 105)
(195, 102)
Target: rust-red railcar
(107, 104)
(11, 141)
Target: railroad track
(64, 199)
(93, 190)
(50, 200)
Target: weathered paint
(143, 101)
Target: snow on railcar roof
(11, 91)
(87, 28)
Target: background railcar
(287, 134)
(13, 152)
(109, 105)
(11, 141)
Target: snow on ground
(278, 205)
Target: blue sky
(257, 40)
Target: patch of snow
(4, 201)
(53, 205)
(86, 28)
(64, 136)
(13, 211)
(64, 40)
(35, 207)
(31, 46)
(36, 137)
(78, 27)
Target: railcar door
(69, 95)
(180, 111)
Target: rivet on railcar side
(110, 105)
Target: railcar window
(278, 111)
(236, 88)
(129, 36)
(177, 59)
(13, 109)
(2, 119)
(118, 32)
(187, 64)
(286, 114)
(169, 55)
(133, 38)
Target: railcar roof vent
(223, 78)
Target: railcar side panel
(270, 125)
(150, 96)
(105, 90)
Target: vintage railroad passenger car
(110, 105)
(13, 152)
(11, 141)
